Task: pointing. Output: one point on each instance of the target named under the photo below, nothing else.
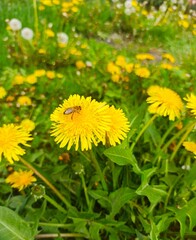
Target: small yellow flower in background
(183, 23)
(74, 9)
(115, 78)
(129, 67)
(31, 79)
(169, 57)
(191, 103)
(145, 56)
(18, 79)
(113, 69)
(142, 72)
(49, 33)
(80, 64)
(47, 2)
(10, 138)
(167, 66)
(24, 101)
(164, 102)
(28, 125)
(75, 52)
(2, 92)
(118, 128)
(190, 146)
(82, 122)
(39, 72)
(50, 74)
(42, 51)
(20, 179)
(59, 75)
(121, 61)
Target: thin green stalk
(190, 128)
(62, 235)
(174, 137)
(143, 130)
(99, 171)
(55, 204)
(52, 187)
(166, 134)
(35, 19)
(85, 189)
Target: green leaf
(152, 193)
(13, 227)
(122, 157)
(119, 198)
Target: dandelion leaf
(13, 227)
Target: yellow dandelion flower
(24, 101)
(183, 23)
(121, 61)
(142, 72)
(113, 69)
(145, 56)
(80, 64)
(166, 66)
(49, 33)
(18, 79)
(80, 121)
(115, 77)
(169, 57)
(40, 73)
(191, 103)
(50, 74)
(190, 146)
(129, 67)
(20, 179)
(164, 102)
(31, 79)
(42, 51)
(28, 125)
(118, 128)
(10, 138)
(3, 92)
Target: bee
(72, 110)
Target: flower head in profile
(164, 102)
(190, 146)
(118, 128)
(191, 103)
(10, 139)
(20, 179)
(82, 122)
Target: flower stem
(143, 130)
(50, 185)
(35, 19)
(190, 127)
(85, 189)
(99, 171)
(55, 204)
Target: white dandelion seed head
(15, 24)
(27, 33)
(62, 37)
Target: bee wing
(68, 111)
